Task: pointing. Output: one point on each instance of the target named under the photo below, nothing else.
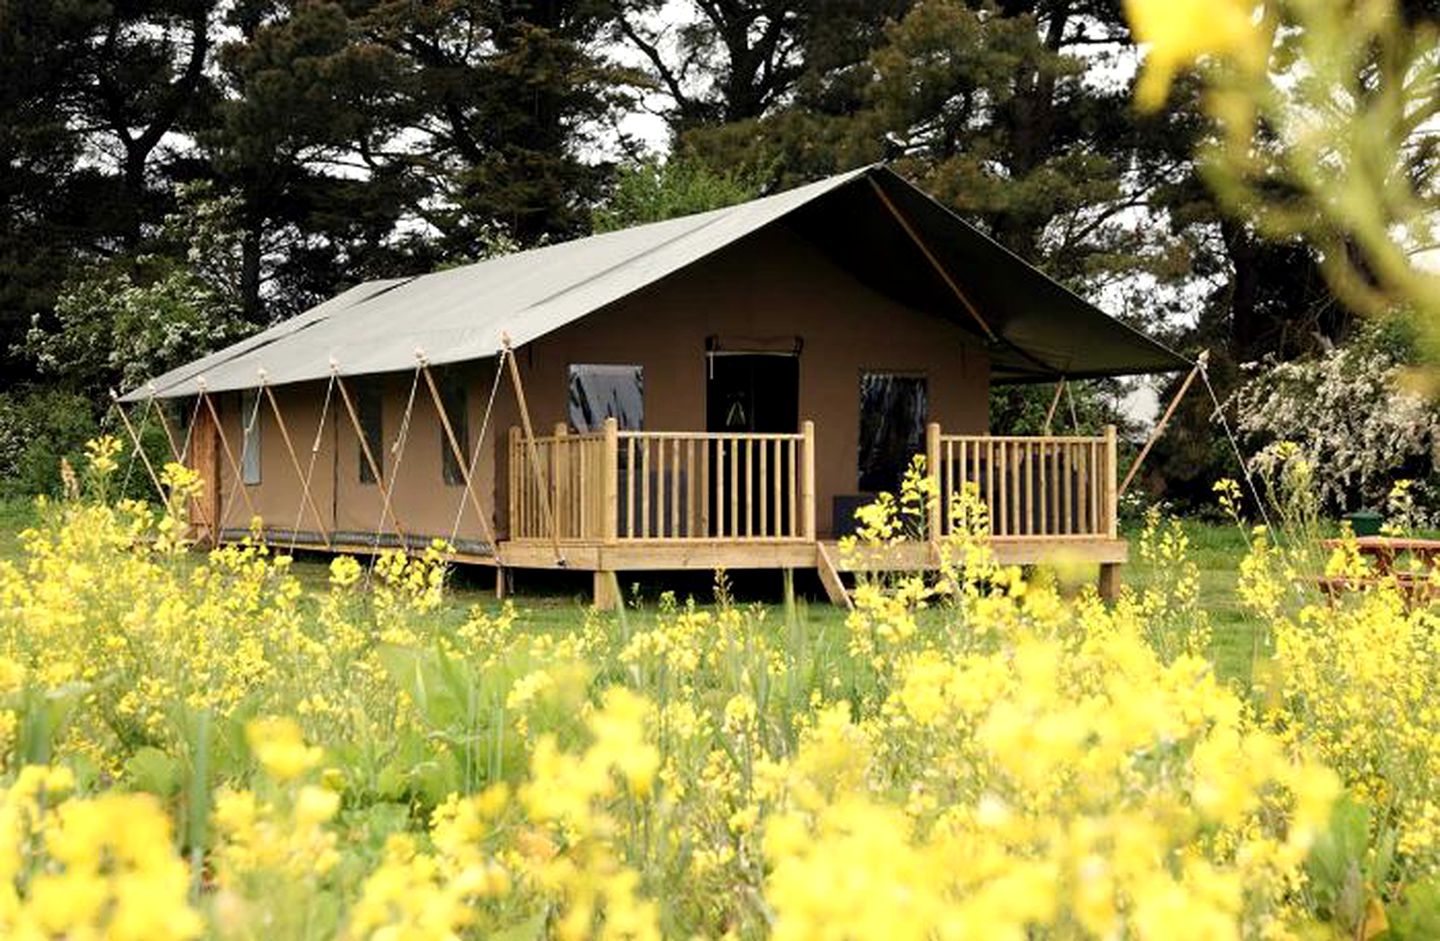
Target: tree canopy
(335, 143)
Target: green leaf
(154, 772)
(527, 930)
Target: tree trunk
(250, 250)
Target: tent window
(893, 408)
(452, 396)
(250, 437)
(598, 392)
(371, 406)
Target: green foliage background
(171, 174)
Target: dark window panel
(601, 391)
(893, 410)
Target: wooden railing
(570, 491)
(616, 486)
(1035, 487)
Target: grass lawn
(553, 601)
(15, 515)
(549, 601)
(1216, 549)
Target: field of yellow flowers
(193, 746)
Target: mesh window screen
(452, 395)
(893, 409)
(371, 407)
(250, 438)
(598, 392)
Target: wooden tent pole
(1074, 416)
(545, 507)
(1159, 428)
(369, 458)
(305, 497)
(402, 438)
(930, 257)
(139, 448)
(165, 425)
(180, 452)
(189, 433)
(459, 456)
(229, 459)
(205, 506)
(1054, 404)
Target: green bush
(38, 428)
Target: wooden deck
(618, 501)
(911, 556)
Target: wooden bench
(1414, 583)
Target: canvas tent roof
(1034, 328)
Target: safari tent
(720, 389)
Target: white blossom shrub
(1348, 413)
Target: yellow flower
(280, 748)
(315, 805)
(344, 571)
(1180, 32)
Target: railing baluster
(1007, 481)
(629, 488)
(947, 482)
(792, 469)
(763, 524)
(645, 466)
(777, 526)
(706, 491)
(660, 488)
(691, 487)
(718, 522)
(1050, 483)
(734, 489)
(1066, 523)
(675, 478)
(749, 487)
(990, 506)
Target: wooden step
(830, 578)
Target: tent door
(756, 393)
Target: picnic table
(1384, 552)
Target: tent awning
(885, 230)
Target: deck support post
(606, 590)
(1112, 507)
(807, 480)
(1109, 580)
(610, 483)
(787, 581)
(934, 503)
(560, 471)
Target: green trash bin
(1364, 522)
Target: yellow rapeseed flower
(1180, 32)
(280, 747)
